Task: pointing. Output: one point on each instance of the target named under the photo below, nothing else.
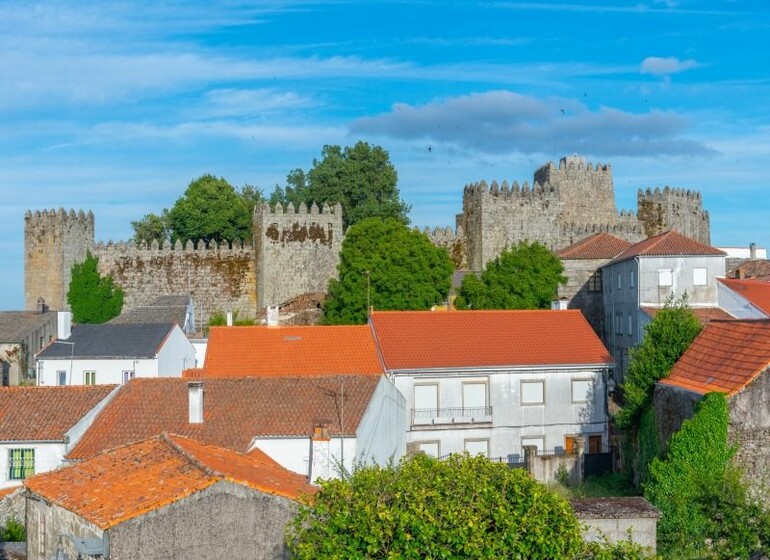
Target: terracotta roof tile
(597, 246)
(703, 314)
(429, 340)
(45, 413)
(670, 243)
(725, 357)
(5, 492)
(128, 481)
(235, 410)
(755, 291)
(291, 351)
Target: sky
(115, 106)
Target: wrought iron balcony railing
(457, 415)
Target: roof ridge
(168, 438)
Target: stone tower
(296, 250)
(678, 209)
(54, 240)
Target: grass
(605, 486)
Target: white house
(492, 382)
(307, 424)
(39, 426)
(114, 353)
(640, 280)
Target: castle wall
(678, 209)
(296, 251)
(220, 278)
(54, 240)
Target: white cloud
(499, 122)
(230, 102)
(659, 66)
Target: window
(475, 395)
(21, 463)
(631, 279)
(537, 441)
(128, 375)
(581, 390)
(700, 277)
(431, 448)
(620, 281)
(477, 447)
(630, 324)
(89, 378)
(618, 324)
(426, 397)
(665, 278)
(61, 377)
(532, 392)
(595, 282)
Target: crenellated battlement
(658, 194)
(59, 216)
(506, 191)
(302, 209)
(155, 247)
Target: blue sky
(117, 106)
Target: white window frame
(438, 395)
(486, 393)
(630, 324)
(700, 276)
(435, 442)
(61, 377)
(527, 440)
(631, 279)
(540, 382)
(485, 441)
(89, 377)
(620, 280)
(585, 398)
(128, 375)
(23, 467)
(665, 277)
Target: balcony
(439, 416)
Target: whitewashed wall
(176, 354)
(48, 456)
(108, 372)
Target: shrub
(13, 531)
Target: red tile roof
(129, 481)
(45, 413)
(235, 410)
(725, 357)
(429, 340)
(597, 246)
(703, 314)
(670, 243)
(291, 351)
(755, 291)
(4, 492)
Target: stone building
(730, 357)
(22, 334)
(167, 497)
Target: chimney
(752, 251)
(320, 453)
(229, 318)
(560, 304)
(63, 325)
(195, 402)
(272, 315)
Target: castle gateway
(296, 251)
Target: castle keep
(296, 250)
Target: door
(570, 445)
(594, 444)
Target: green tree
(361, 178)
(705, 506)
(93, 298)
(405, 271)
(666, 338)
(525, 276)
(210, 209)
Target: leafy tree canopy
(525, 276)
(210, 209)
(463, 507)
(706, 509)
(406, 272)
(666, 338)
(362, 178)
(92, 297)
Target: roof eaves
(496, 368)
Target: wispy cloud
(507, 122)
(230, 102)
(665, 66)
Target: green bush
(649, 448)
(706, 509)
(13, 531)
(92, 297)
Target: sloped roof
(5, 492)
(45, 413)
(291, 351)
(624, 507)
(129, 481)
(597, 246)
(164, 309)
(456, 339)
(15, 325)
(235, 410)
(670, 243)
(111, 341)
(725, 357)
(703, 314)
(755, 291)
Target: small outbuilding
(618, 519)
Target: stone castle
(296, 250)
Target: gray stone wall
(220, 278)
(45, 522)
(672, 406)
(224, 521)
(12, 506)
(643, 530)
(54, 240)
(584, 295)
(296, 251)
(682, 210)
